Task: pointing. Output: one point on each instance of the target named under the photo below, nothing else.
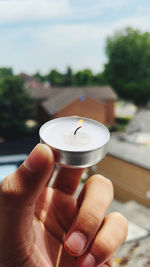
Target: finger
(108, 239)
(109, 263)
(94, 200)
(26, 184)
(67, 180)
(89, 261)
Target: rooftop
(133, 145)
(62, 96)
(140, 122)
(126, 148)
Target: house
(93, 102)
(140, 122)
(127, 163)
(37, 90)
(52, 102)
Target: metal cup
(78, 159)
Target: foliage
(83, 78)
(4, 72)
(120, 124)
(39, 77)
(80, 78)
(68, 77)
(15, 106)
(128, 67)
(100, 79)
(55, 78)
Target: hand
(47, 227)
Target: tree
(68, 77)
(4, 72)
(83, 78)
(55, 78)
(128, 67)
(15, 106)
(39, 77)
(100, 79)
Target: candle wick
(77, 130)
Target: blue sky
(38, 35)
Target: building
(37, 90)
(52, 102)
(127, 164)
(93, 102)
(140, 122)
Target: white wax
(59, 133)
(78, 140)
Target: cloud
(57, 45)
(138, 22)
(29, 10)
(79, 45)
(41, 10)
(90, 8)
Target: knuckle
(88, 224)
(92, 218)
(104, 248)
(7, 187)
(108, 245)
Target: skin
(42, 226)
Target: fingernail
(76, 242)
(88, 261)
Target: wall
(110, 112)
(41, 114)
(88, 108)
(130, 181)
(100, 111)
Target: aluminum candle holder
(76, 142)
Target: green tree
(4, 72)
(15, 106)
(68, 77)
(83, 78)
(39, 77)
(55, 78)
(100, 79)
(128, 67)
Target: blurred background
(87, 58)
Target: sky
(40, 35)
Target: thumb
(27, 183)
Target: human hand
(42, 226)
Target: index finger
(28, 181)
(67, 180)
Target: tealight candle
(76, 142)
(77, 138)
